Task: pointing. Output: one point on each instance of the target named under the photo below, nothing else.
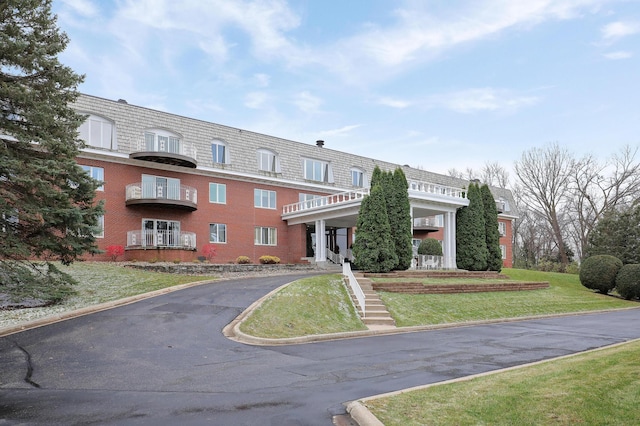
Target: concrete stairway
(376, 314)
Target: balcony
(170, 196)
(174, 152)
(430, 223)
(157, 239)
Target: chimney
(319, 144)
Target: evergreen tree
(471, 245)
(400, 220)
(492, 233)
(373, 247)
(617, 234)
(46, 203)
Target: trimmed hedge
(243, 260)
(430, 247)
(599, 272)
(628, 281)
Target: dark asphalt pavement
(164, 361)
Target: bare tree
(493, 174)
(598, 187)
(544, 174)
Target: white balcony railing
(161, 238)
(180, 147)
(153, 191)
(437, 189)
(429, 222)
(325, 201)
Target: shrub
(269, 260)
(628, 281)
(209, 251)
(599, 272)
(243, 260)
(430, 247)
(114, 251)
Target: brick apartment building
(174, 184)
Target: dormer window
(317, 170)
(219, 152)
(161, 141)
(358, 178)
(98, 132)
(268, 161)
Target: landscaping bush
(114, 251)
(599, 272)
(628, 281)
(243, 260)
(269, 260)
(430, 247)
(209, 251)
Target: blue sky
(430, 83)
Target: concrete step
(379, 321)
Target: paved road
(163, 361)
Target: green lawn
(316, 305)
(564, 295)
(595, 388)
(100, 282)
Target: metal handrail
(336, 258)
(139, 190)
(355, 287)
(161, 238)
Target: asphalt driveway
(165, 361)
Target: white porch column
(321, 241)
(449, 242)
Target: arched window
(268, 161)
(99, 132)
(160, 140)
(219, 152)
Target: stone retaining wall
(214, 269)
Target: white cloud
(617, 30)
(621, 54)
(255, 100)
(481, 99)
(341, 131)
(306, 102)
(419, 34)
(83, 8)
(394, 103)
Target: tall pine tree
(492, 233)
(373, 247)
(400, 220)
(471, 245)
(47, 204)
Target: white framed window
(265, 236)
(217, 193)
(99, 132)
(158, 232)
(97, 173)
(358, 178)
(217, 233)
(99, 232)
(158, 140)
(503, 251)
(160, 187)
(317, 170)
(264, 199)
(502, 228)
(268, 161)
(219, 152)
